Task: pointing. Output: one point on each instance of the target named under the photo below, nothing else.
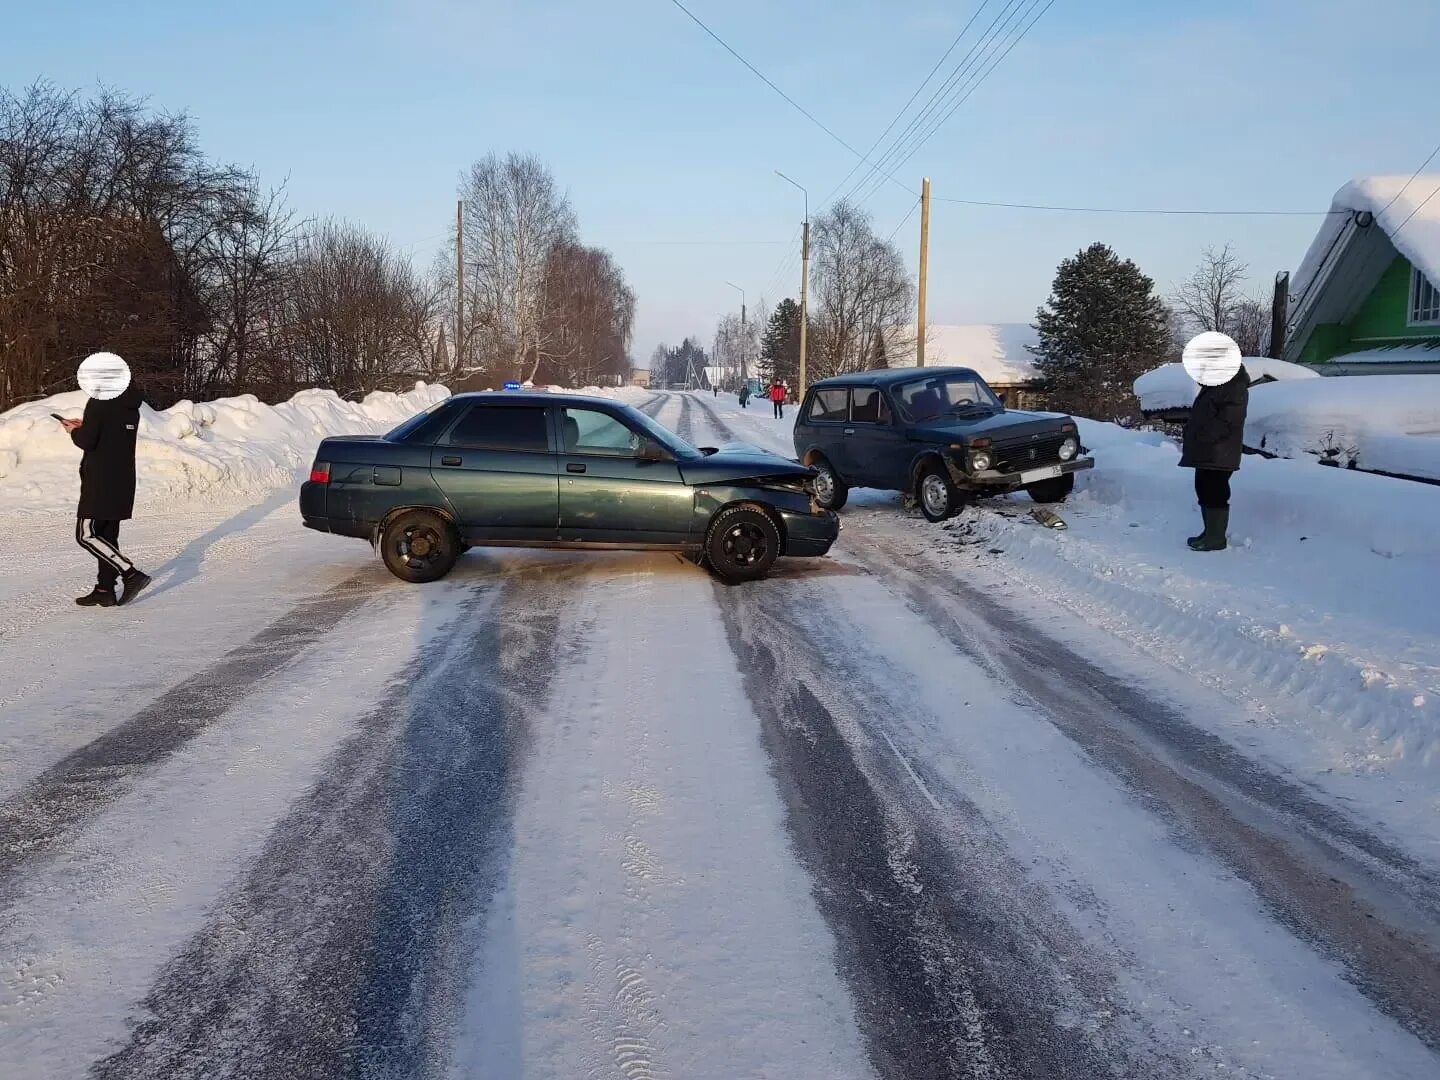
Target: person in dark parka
(1213, 446)
(107, 435)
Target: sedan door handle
(574, 466)
(849, 431)
(449, 460)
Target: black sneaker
(97, 597)
(134, 581)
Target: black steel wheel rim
(746, 543)
(419, 546)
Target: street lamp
(744, 335)
(804, 286)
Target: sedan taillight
(320, 472)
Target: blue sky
(666, 144)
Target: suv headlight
(1069, 448)
(979, 461)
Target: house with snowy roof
(998, 351)
(1366, 299)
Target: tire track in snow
(343, 949)
(1358, 899)
(50, 809)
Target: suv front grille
(1029, 454)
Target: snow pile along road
(233, 444)
(1388, 423)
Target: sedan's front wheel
(742, 544)
(419, 546)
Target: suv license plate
(1047, 473)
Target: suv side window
(867, 406)
(830, 406)
(502, 427)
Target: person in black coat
(107, 435)
(1213, 446)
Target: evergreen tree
(780, 347)
(1101, 328)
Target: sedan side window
(867, 406)
(502, 427)
(590, 431)
(830, 406)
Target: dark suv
(939, 435)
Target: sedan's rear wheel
(419, 546)
(742, 544)
(830, 491)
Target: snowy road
(589, 815)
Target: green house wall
(1382, 320)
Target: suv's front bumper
(991, 478)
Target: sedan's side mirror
(650, 450)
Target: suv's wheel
(419, 546)
(742, 544)
(1053, 490)
(936, 493)
(830, 491)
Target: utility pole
(804, 306)
(924, 268)
(804, 286)
(744, 336)
(459, 279)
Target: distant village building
(640, 377)
(998, 351)
(1366, 299)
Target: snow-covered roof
(996, 350)
(1391, 354)
(1404, 211)
(1170, 387)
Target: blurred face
(1211, 358)
(103, 376)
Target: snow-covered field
(978, 800)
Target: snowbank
(1415, 210)
(231, 444)
(1385, 423)
(1170, 387)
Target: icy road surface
(596, 815)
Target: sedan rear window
(502, 427)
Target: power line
(961, 70)
(1413, 175)
(1415, 211)
(961, 98)
(766, 80)
(1142, 210)
(923, 83)
(913, 207)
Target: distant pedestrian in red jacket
(777, 398)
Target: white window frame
(1429, 314)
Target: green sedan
(554, 470)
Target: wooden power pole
(459, 280)
(924, 268)
(804, 307)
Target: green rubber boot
(1213, 538)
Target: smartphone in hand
(58, 417)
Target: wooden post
(804, 308)
(924, 268)
(459, 280)
(1279, 313)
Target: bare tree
(515, 218)
(590, 312)
(863, 295)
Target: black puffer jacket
(1215, 431)
(107, 471)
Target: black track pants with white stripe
(101, 539)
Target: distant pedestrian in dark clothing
(1213, 446)
(107, 434)
(777, 398)
(744, 395)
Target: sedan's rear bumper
(809, 535)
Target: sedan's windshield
(936, 395)
(661, 434)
